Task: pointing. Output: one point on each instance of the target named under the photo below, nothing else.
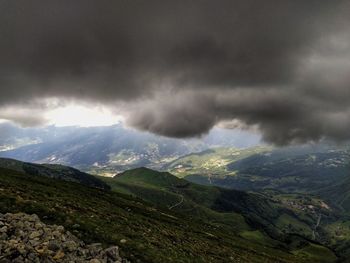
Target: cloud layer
(177, 68)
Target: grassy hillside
(164, 189)
(268, 218)
(144, 232)
(312, 181)
(188, 195)
(338, 193)
(53, 171)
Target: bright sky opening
(78, 115)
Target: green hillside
(144, 232)
(268, 218)
(53, 171)
(338, 193)
(165, 189)
(312, 181)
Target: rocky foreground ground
(24, 238)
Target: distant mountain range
(108, 149)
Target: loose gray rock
(24, 238)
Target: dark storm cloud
(177, 115)
(177, 68)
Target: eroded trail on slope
(177, 204)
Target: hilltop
(53, 171)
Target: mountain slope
(338, 193)
(53, 171)
(312, 181)
(268, 218)
(210, 163)
(188, 195)
(293, 169)
(144, 233)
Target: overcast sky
(178, 68)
